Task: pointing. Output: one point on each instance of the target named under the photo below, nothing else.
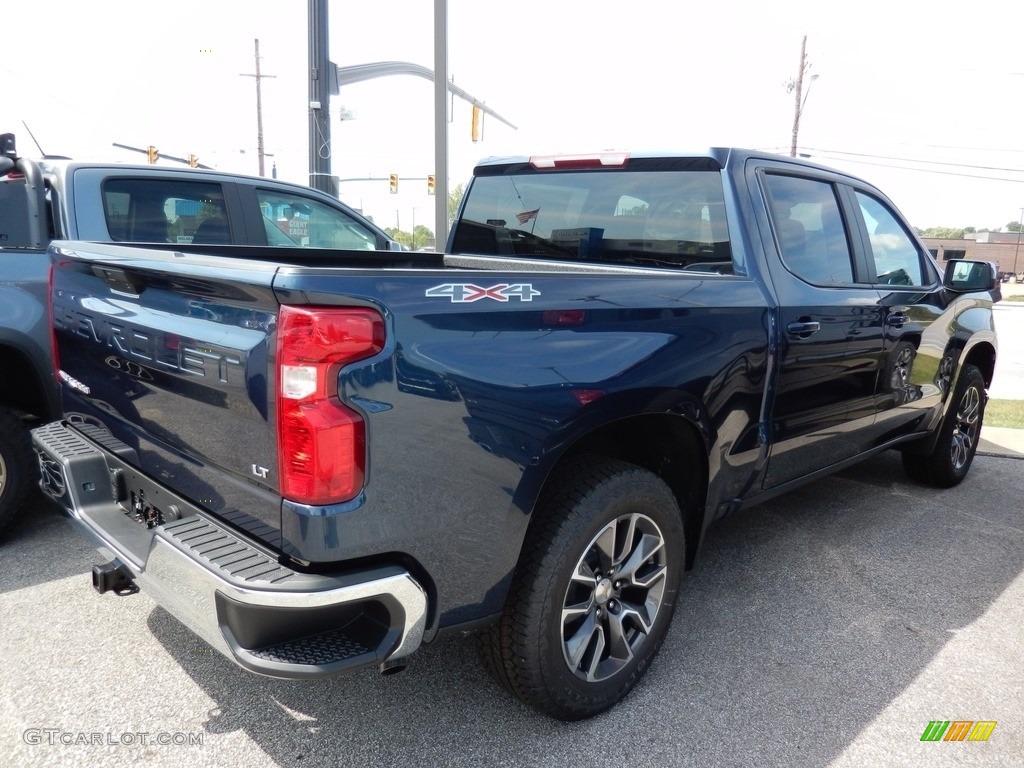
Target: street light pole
(440, 125)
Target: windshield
(669, 218)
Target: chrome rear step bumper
(232, 592)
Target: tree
(1013, 226)
(454, 198)
(411, 240)
(421, 236)
(944, 233)
(400, 237)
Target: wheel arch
(671, 446)
(25, 388)
(983, 356)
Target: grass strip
(1005, 413)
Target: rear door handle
(804, 328)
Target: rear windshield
(668, 218)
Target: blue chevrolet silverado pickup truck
(42, 200)
(321, 461)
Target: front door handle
(803, 328)
(897, 319)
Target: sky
(922, 101)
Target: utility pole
(319, 99)
(1017, 249)
(259, 107)
(798, 87)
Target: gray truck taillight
(321, 442)
(54, 358)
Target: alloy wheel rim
(965, 428)
(901, 368)
(3, 475)
(615, 593)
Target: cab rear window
(165, 211)
(672, 218)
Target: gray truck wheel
(954, 450)
(15, 467)
(594, 590)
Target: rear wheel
(957, 442)
(594, 590)
(15, 467)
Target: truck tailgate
(170, 355)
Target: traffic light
(153, 153)
(193, 161)
(431, 184)
(478, 123)
(393, 181)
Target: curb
(1002, 442)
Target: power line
(923, 170)
(829, 154)
(968, 149)
(915, 160)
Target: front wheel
(957, 442)
(594, 591)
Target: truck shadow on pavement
(46, 545)
(804, 619)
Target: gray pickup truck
(54, 199)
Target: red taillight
(551, 162)
(321, 442)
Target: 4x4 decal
(463, 293)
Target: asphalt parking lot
(828, 627)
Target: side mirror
(7, 145)
(968, 276)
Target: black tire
(603, 561)
(957, 442)
(16, 468)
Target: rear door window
(15, 226)
(165, 211)
(809, 229)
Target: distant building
(998, 247)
